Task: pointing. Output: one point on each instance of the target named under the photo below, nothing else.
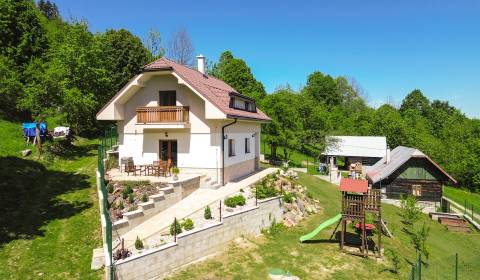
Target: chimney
(387, 155)
(201, 64)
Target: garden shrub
(188, 224)
(207, 214)
(138, 244)
(120, 205)
(133, 208)
(131, 198)
(144, 198)
(175, 227)
(126, 191)
(265, 190)
(235, 201)
(288, 197)
(110, 188)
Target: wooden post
(342, 236)
(456, 266)
(175, 229)
(220, 209)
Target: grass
(321, 259)
(462, 197)
(49, 223)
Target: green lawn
(297, 159)
(49, 223)
(322, 259)
(461, 196)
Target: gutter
(223, 149)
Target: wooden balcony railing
(162, 114)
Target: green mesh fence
(107, 142)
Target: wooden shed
(409, 171)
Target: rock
(288, 222)
(26, 152)
(98, 259)
(300, 206)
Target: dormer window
(243, 103)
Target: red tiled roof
(213, 89)
(353, 185)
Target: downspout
(223, 149)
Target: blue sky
(389, 47)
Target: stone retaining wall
(198, 243)
(173, 193)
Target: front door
(168, 151)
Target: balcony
(163, 115)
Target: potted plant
(175, 172)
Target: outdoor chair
(130, 167)
(157, 168)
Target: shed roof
(356, 146)
(398, 157)
(353, 185)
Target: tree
(10, 87)
(282, 131)
(415, 100)
(154, 44)
(180, 48)
(49, 9)
(237, 74)
(22, 35)
(323, 88)
(122, 55)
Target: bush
(207, 214)
(175, 228)
(265, 190)
(110, 188)
(133, 208)
(120, 205)
(138, 244)
(288, 197)
(126, 191)
(131, 198)
(144, 198)
(188, 224)
(274, 228)
(234, 201)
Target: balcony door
(167, 98)
(168, 151)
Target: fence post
(419, 267)
(175, 229)
(456, 266)
(220, 209)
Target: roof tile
(213, 89)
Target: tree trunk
(273, 152)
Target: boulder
(26, 152)
(288, 222)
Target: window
(231, 147)
(417, 190)
(242, 103)
(167, 98)
(247, 145)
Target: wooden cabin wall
(424, 174)
(431, 190)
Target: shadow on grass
(29, 200)
(65, 150)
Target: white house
(171, 112)
(365, 149)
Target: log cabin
(406, 171)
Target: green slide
(325, 224)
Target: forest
(58, 71)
